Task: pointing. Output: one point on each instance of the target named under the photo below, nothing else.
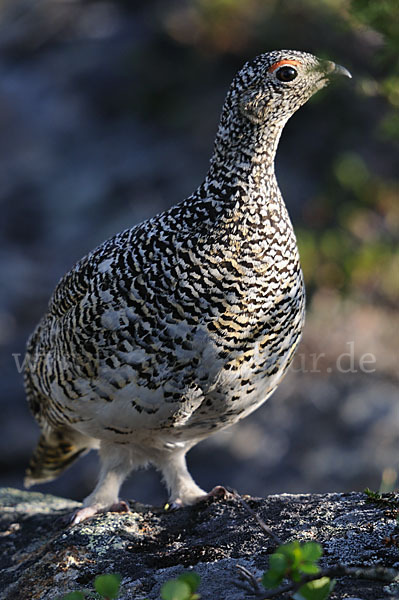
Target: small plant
(298, 561)
(183, 587)
(318, 589)
(106, 586)
(74, 596)
(388, 501)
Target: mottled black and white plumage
(186, 323)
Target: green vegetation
(390, 502)
(106, 588)
(183, 587)
(353, 245)
(294, 561)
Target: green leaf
(74, 596)
(278, 562)
(372, 495)
(288, 549)
(311, 551)
(175, 590)
(309, 568)
(107, 585)
(192, 579)
(292, 553)
(292, 560)
(271, 579)
(319, 589)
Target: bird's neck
(244, 199)
(243, 159)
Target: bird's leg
(116, 463)
(182, 488)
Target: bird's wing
(114, 325)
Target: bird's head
(275, 84)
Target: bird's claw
(120, 507)
(218, 492)
(88, 512)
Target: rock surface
(41, 559)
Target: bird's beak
(338, 70)
(331, 69)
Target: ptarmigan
(183, 324)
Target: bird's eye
(286, 73)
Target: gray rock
(42, 559)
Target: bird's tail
(52, 455)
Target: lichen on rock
(42, 559)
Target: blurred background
(108, 111)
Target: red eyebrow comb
(281, 63)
